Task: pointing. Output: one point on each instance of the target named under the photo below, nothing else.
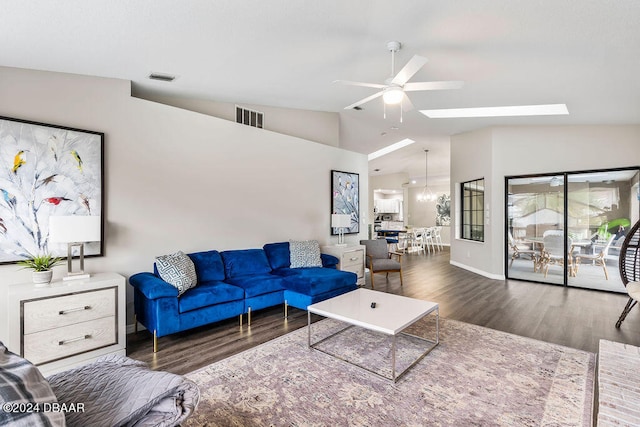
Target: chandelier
(426, 195)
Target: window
(472, 209)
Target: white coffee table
(391, 316)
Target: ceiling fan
(394, 88)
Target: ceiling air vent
(162, 77)
(249, 117)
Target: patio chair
(597, 259)
(379, 259)
(519, 251)
(553, 253)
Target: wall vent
(249, 117)
(162, 77)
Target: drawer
(352, 258)
(358, 269)
(49, 313)
(54, 344)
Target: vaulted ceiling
(287, 53)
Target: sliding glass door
(567, 228)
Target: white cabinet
(351, 258)
(67, 323)
(387, 205)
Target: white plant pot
(42, 278)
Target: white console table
(351, 258)
(67, 323)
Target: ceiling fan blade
(406, 104)
(409, 70)
(349, 82)
(362, 101)
(433, 85)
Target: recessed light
(390, 148)
(516, 110)
(162, 77)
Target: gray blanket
(118, 391)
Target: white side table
(351, 258)
(68, 323)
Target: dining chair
(629, 265)
(519, 251)
(553, 253)
(417, 239)
(379, 259)
(427, 238)
(437, 237)
(597, 259)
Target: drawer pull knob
(71, 310)
(353, 259)
(69, 341)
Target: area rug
(475, 377)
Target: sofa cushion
(278, 254)
(178, 270)
(209, 293)
(316, 280)
(22, 383)
(305, 253)
(208, 265)
(258, 284)
(245, 262)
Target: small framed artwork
(46, 170)
(345, 199)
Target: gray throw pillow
(25, 395)
(305, 254)
(178, 270)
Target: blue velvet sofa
(233, 283)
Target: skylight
(390, 148)
(516, 110)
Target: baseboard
(477, 271)
(132, 328)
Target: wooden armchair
(379, 259)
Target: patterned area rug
(474, 377)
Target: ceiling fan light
(392, 95)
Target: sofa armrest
(152, 287)
(329, 261)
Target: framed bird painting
(46, 170)
(345, 199)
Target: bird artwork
(76, 156)
(85, 202)
(53, 146)
(3, 228)
(56, 200)
(9, 199)
(18, 161)
(49, 179)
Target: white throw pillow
(304, 253)
(178, 270)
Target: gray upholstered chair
(379, 259)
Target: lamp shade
(74, 228)
(340, 220)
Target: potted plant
(42, 267)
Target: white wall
(180, 180)
(316, 126)
(504, 151)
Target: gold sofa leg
(286, 309)
(241, 320)
(155, 342)
(249, 316)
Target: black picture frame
(46, 170)
(345, 198)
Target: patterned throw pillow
(23, 386)
(178, 270)
(304, 253)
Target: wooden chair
(629, 264)
(597, 259)
(519, 251)
(379, 259)
(553, 253)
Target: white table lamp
(340, 221)
(75, 230)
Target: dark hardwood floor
(572, 317)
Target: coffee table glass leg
(438, 325)
(393, 358)
(309, 327)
